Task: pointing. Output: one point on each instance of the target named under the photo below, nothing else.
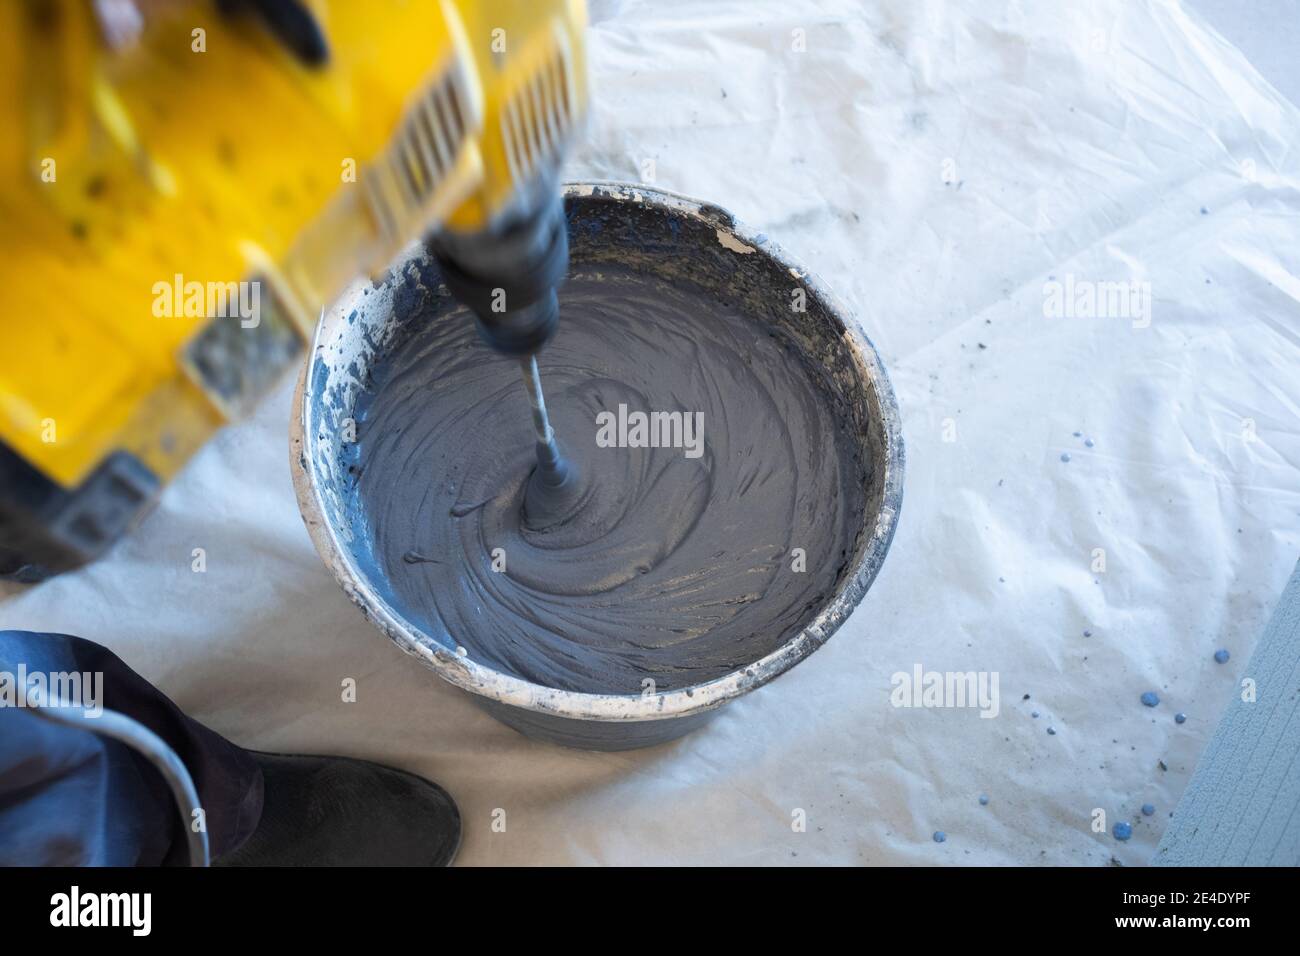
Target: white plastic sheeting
(940, 165)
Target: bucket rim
(487, 682)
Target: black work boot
(337, 811)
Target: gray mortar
(537, 678)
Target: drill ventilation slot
(538, 116)
(401, 183)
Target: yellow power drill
(186, 185)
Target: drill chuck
(508, 276)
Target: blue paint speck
(940, 836)
(1122, 831)
(1087, 442)
(1078, 434)
(1148, 809)
(1065, 456)
(984, 799)
(1034, 715)
(1087, 633)
(1221, 656)
(1180, 718)
(1051, 731)
(1149, 699)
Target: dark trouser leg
(71, 796)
